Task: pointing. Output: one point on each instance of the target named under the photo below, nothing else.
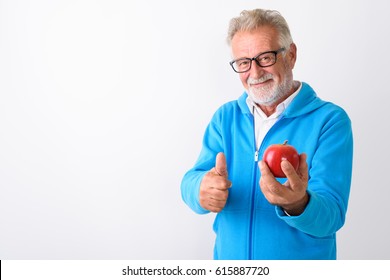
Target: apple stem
(285, 142)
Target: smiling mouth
(260, 82)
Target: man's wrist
(297, 209)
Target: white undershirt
(264, 123)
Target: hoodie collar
(305, 101)
(279, 109)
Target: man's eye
(242, 63)
(265, 59)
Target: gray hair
(250, 20)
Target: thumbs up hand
(214, 187)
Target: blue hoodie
(249, 227)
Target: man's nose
(256, 71)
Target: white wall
(103, 105)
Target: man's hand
(292, 195)
(214, 186)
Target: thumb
(220, 165)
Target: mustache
(266, 77)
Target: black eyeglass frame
(255, 59)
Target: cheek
(283, 71)
(244, 78)
(277, 74)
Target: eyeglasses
(264, 59)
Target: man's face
(270, 85)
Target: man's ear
(292, 55)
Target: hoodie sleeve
(330, 173)
(190, 190)
(211, 146)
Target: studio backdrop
(103, 106)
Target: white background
(103, 105)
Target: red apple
(274, 155)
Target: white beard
(269, 94)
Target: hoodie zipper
(253, 191)
(255, 184)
